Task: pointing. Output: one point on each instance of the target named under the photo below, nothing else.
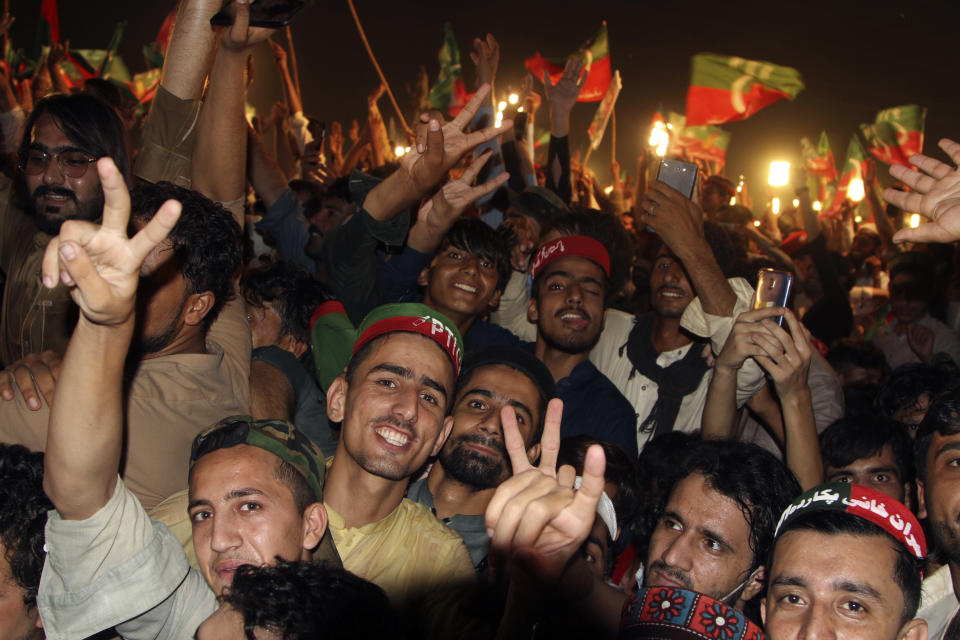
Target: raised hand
(58, 51)
(562, 96)
(99, 263)
(486, 58)
(936, 196)
(742, 341)
(786, 356)
(456, 195)
(671, 215)
(240, 36)
(536, 516)
(279, 54)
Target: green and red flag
(448, 93)
(48, 27)
(154, 52)
(144, 85)
(704, 143)
(819, 160)
(853, 168)
(599, 124)
(896, 134)
(596, 55)
(728, 88)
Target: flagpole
(383, 78)
(293, 61)
(6, 36)
(613, 135)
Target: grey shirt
(472, 529)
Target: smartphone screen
(773, 290)
(263, 13)
(678, 174)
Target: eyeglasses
(72, 162)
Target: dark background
(856, 58)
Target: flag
(112, 49)
(727, 88)
(852, 169)
(144, 85)
(896, 134)
(702, 142)
(596, 56)
(820, 166)
(82, 64)
(602, 116)
(48, 28)
(154, 52)
(448, 93)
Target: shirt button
(643, 388)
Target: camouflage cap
(283, 440)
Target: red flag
(48, 14)
(596, 56)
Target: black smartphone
(773, 290)
(678, 174)
(263, 13)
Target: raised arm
(220, 155)
(561, 97)
(290, 92)
(101, 266)
(191, 48)
(679, 222)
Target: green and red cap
(874, 506)
(412, 317)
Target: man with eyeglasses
(62, 139)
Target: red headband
(869, 504)
(571, 246)
(426, 326)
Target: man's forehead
(577, 266)
(501, 381)
(245, 463)
(392, 344)
(693, 497)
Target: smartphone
(678, 174)
(263, 13)
(773, 290)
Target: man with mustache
(55, 181)
(473, 462)
(570, 287)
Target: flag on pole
(448, 93)
(596, 55)
(819, 160)
(144, 85)
(728, 88)
(599, 124)
(852, 169)
(48, 28)
(701, 142)
(896, 134)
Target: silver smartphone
(773, 290)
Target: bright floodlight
(775, 206)
(796, 202)
(659, 139)
(608, 189)
(756, 223)
(513, 98)
(855, 190)
(733, 201)
(914, 220)
(779, 174)
(858, 219)
(399, 151)
(817, 205)
(501, 106)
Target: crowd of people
(267, 381)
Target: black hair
(88, 122)
(295, 295)
(751, 476)
(906, 570)
(23, 516)
(287, 475)
(850, 439)
(850, 352)
(480, 239)
(858, 400)
(605, 229)
(312, 188)
(207, 241)
(943, 417)
(339, 188)
(905, 384)
(730, 254)
(621, 471)
(301, 601)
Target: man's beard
(49, 221)
(575, 343)
(470, 467)
(947, 540)
(148, 345)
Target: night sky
(855, 57)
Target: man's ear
(916, 629)
(755, 584)
(198, 306)
(314, 525)
(533, 311)
(444, 433)
(533, 453)
(921, 500)
(337, 398)
(495, 299)
(423, 278)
